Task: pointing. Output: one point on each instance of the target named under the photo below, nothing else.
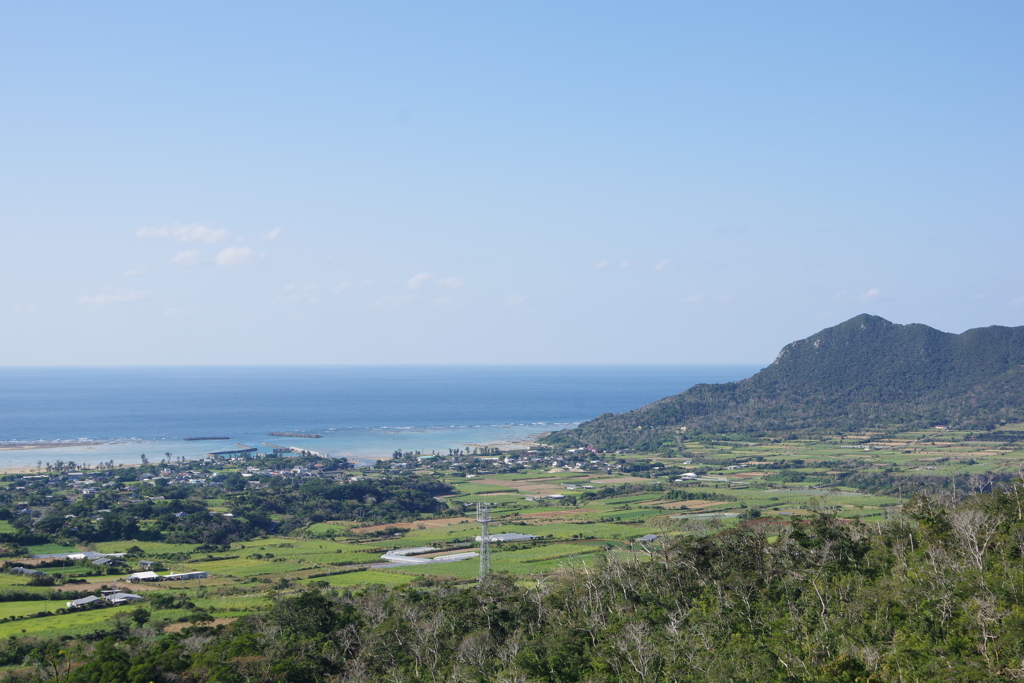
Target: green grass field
(50, 549)
(569, 534)
(71, 624)
(363, 578)
(150, 548)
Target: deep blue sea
(362, 412)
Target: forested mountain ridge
(863, 373)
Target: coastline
(20, 470)
(528, 442)
(8, 446)
(362, 447)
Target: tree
(140, 615)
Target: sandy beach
(8, 446)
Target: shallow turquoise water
(362, 412)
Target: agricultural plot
(576, 529)
(71, 624)
(148, 547)
(25, 607)
(49, 548)
(492, 498)
(356, 579)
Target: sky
(502, 182)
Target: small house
(185, 576)
(25, 571)
(83, 602)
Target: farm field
(778, 482)
(77, 623)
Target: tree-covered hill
(866, 372)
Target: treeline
(187, 518)
(685, 494)
(378, 501)
(935, 594)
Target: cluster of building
(172, 576)
(107, 559)
(574, 460)
(110, 597)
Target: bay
(362, 412)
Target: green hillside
(864, 373)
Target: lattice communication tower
(483, 515)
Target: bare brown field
(621, 479)
(182, 625)
(422, 524)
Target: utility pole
(483, 515)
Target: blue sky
(517, 182)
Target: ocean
(89, 415)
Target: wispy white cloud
(450, 282)
(839, 296)
(418, 280)
(112, 298)
(1019, 301)
(172, 311)
(185, 233)
(343, 287)
(233, 256)
(870, 295)
(273, 234)
(662, 264)
(25, 309)
(514, 299)
(624, 264)
(294, 294)
(141, 270)
(601, 265)
(186, 258)
(693, 299)
(442, 301)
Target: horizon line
(379, 365)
